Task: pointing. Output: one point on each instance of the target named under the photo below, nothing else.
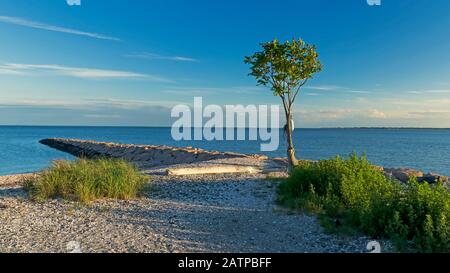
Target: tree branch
(298, 89)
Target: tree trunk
(292, 160)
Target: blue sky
(116, 62)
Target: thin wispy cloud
(37, 103)
(333, 114)
(430, 113)
(73, 2)
(88, 103)
(377, 114)
(37, 25)
(200, 91)
(419, 103)
(432, 91)
(102, 116)
(358, 92)
(7, 71)
(324, 113)
(152, 56)
(325, 87)
(133, 104)
(76, 72)
(336, 88)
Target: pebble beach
(220, 213)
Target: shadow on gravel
(13, 193)
(205, 228)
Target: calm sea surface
(425, 149)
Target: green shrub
(353, 194)
(87, 180)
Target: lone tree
(285, 68)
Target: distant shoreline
(166, 127)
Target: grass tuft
(86, 180)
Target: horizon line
(142, 126)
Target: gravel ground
(220, 213)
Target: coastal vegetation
(285, 68)
(86, 180)
(352, 196)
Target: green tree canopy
(284, 67)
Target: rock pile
(143, 156)
(403, 175)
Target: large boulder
(402, 174)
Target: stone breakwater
(149, 156)
(155, 155)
